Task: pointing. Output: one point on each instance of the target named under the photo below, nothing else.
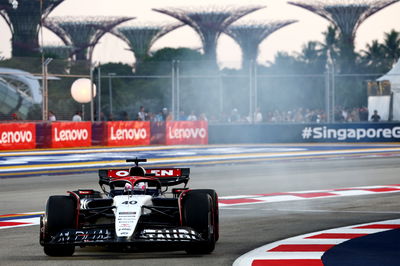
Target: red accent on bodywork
(120, 173)
(78, 207)
(180, 205)
(179, 191)
(165, 172)
(135, 179)
(86, 192)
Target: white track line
(299, 248)
(229, 201)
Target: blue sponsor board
(304, 133)
(371, 132)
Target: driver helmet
(128, 187)
(140, 188)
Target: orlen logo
(158, 172)
(10, 137)
(71, 134)
(187, 133)
(122, 173)
(128, 134)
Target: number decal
(131, 202)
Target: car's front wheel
(198, 213)
(60, 215)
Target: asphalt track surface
(243, 228)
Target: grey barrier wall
(303, 133)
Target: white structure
(382, 103)
(394, 77)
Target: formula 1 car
(134, 211)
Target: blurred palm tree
(380, 57)
(310, 52)
(330, 43)
(391, 47)
(374, 53)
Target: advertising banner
(15, 136)
(305, 133)
(127, 133)
(186, 132)
(70, 134)
(157, 130)
(368, 132)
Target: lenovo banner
(15, 136)
(186, 132)
(70, 134)
(127, 133)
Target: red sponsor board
(159, 172)
(70, 134)
(15, 136)
(186, 132)
(127, 133)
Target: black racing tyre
(60, 215)
(198, 214)
(55, 251)
(214, 197)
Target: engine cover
(127, 213)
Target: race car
(134, 211)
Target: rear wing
(166, 176)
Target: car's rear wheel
(214, 197)
(60, 215)
(198, 214)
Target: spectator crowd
(298, 115)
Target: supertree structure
(24, 21)
(83, 33)
(209, 22)
(141, 36)
(60, 51)
(250, 34)
(346, 15)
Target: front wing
(98, 237)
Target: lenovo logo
(11, 137)
(70, 134)
(187, 133)
(128, 134)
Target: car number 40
(130, 202)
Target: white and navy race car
(134, 211)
